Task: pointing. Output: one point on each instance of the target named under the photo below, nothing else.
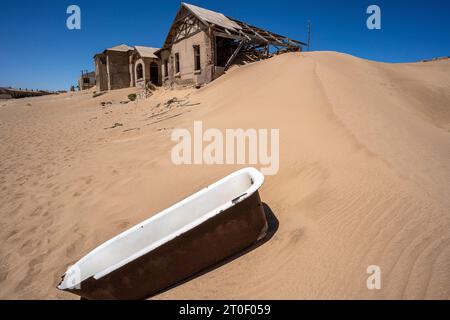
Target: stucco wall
(165, 56)
(101, 76)
(185, 49)
(118, 70)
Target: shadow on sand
(273, 225)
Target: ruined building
(87, 80)
(13, 93)
(200, 46)
(124, 66)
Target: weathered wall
(166, 77)
(101, 75)
(185, 48)
(118, 70)
(131, 70)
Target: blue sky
(38, 51)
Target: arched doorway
(139, 72)
(154, 73)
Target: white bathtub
(193, 234)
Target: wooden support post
(235, 53)
(212, 58)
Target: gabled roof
(146, 52)
(121, 48)
(213, 17)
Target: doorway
(154, 73)
(224, 50)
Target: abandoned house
(124, 66)
(202, 44)
(87, 80)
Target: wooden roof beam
(299, 42)
(278, 38)
(245, 35)
(273, 37)
(254, 31)
(226, 35)
(234, 55)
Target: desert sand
(364, 178)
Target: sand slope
(364, 178)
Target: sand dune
(364, 178)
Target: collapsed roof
(229, 28)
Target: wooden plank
(235, 53)
(254, 31)
(299, 42)
(273, 37)
(265, 33)
(245, 35)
